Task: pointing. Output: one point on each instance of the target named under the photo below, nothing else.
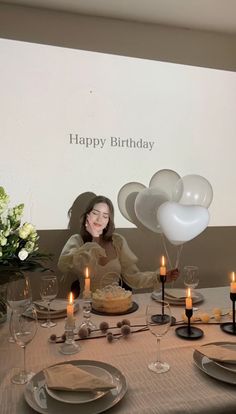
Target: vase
(3, 303)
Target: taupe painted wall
(118, 37)
(214, 249)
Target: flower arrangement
(18, 242)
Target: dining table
(185, 388)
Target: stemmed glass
(158, 317)
(19, 296)
(191, 277)
(23, 330)
(48, 292)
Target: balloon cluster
(174, 206)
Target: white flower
(26, 230)
(3, 241)
(17, 241)
(29, 246)
(23, 254)
(4, 199)
(23, 233)
(29, 227)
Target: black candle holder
(189, 332)
(163, 281)
(159, 318)
(230, 327)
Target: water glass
(23, 329)
(48, 292)
(158, 318)
(191, 276)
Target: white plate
(40, 401)
(175, 301)
(213, 369)
(78, 397)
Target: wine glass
(191, 278)
(23, 329)
(48, 292)
(158, 317)
(19, 296)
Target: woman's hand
(172, 275)
(92, 228)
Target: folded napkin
(71, 378)
(179, 294)
(218, 353)
(57, 306)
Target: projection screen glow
(74, 121)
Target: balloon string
(179, 251)
(178, 254)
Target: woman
(104, 252)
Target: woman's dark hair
(109, 229)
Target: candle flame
(233, 276)
(71, 298)
(86, 272)
(189, 293)
(163, 261)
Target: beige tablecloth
(183, 389)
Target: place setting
(218, 360)
(93, 385)
(87, 385)
(176, 296)
(50, 307)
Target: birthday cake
(112, 299)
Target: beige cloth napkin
(56, 307)
(71, 378)
(218, 353)
(179, 294)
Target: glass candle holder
(87, 307)
(69, 347)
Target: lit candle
(233, 284)
(87, 292)
(70, 310)
(188, 300)
(163, 266)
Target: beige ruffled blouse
(77, 255)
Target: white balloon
(128, 192)
(181, 223)
(193, 190)
(146, 205)
(165, 180)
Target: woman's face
(99, 216)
